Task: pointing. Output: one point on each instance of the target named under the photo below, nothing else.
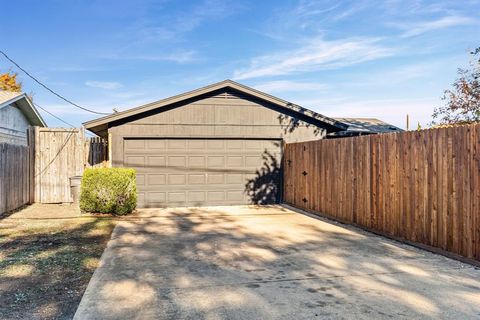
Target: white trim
(13, 100)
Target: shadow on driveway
(250, 262)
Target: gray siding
(224, 115)
(13, 125)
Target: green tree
(462, 101)
(9, 82)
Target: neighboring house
(17, 113)
(217, 145)
(364, 126)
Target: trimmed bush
(108, 190)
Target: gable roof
(23, 102)
(6, 96)
(309, 116)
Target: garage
(217, 145)
(199, 172)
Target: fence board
(60, 154)
(420, 186)
(15, 177)
(40, 172)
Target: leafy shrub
(108, 190)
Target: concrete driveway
(269, 263)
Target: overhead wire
(58, 118)
(47, 88)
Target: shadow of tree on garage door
(266, 186)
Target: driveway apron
(253, 262)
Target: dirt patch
(48, 254)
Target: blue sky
(379, 59)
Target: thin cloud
(107, 85)
(311, 8)
(417, 29)
(178, 57)
(175, 26)
(318, 54)
(287, 85)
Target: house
(364, 126)
(17, 113)
(217, 145)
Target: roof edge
(209, 88)
(30, 104)
(12, 100)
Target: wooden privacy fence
(59, 155)
(41, 171)
(96, 152)
(418, 186)
(16, 185)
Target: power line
(58, 118)
(48, 89)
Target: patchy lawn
(48, 254)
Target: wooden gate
(59, 155)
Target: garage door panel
(215, 196)
(176, 144)
(235, 161)
(236, 195)
(215, 161)
(196, 196)
(141, 197)
(251, 161)
(192, 172)
(135, 161)
(215, 178)
(156, 161)
(234, 178)
(177, 197)
(177, 162)
(156, 144)
(134, 144)
(196, 144)
(215, 144)
(156, 179)
(253, 144)
(177, 179)
(157, 197)
(235, 144)
(198, 179)
(140, 179)
(196, 162)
